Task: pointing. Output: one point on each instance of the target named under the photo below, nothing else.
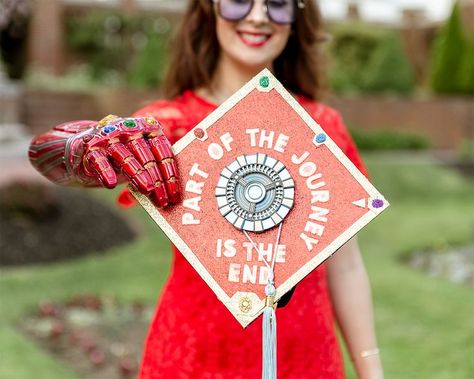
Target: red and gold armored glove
(104, 153)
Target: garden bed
(455, 264)
(97, 337)
(42, 223)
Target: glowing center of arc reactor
(255, 192)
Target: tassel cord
(269, 325)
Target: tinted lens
(281, 11)
(234, 10)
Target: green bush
(134, 47)
(148, 67)
(368, 59)
(388, 68)
(388, 140)
(350, 51)
(466, 151)
(466, 72)
(452, 69)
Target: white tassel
(269, 342)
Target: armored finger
(173, 190)
(98, 163)
(140, 148)
(161, 148)
(130, 166)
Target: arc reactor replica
(255, 192)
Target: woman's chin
(253, 63)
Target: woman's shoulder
(162, 109)
(328, 118)
(322, 113)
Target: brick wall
(444, 121)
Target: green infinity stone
(129, 123)
(264, 81)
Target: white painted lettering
(312, 184)
(188, 219)
(229, 248)
(249, 274)
(319, 213)
(194, 187)
(195, 170)
(320, 196)
(298, 160)
(281, 143)
(281, 254)
(193, 203)
(263, 275)
(253, 136)
(226, 139)
(266, 139)
(249, 247)
(310, 242)
(313, 228)
(234, 273)
(307, 169)
(219, 248)
(215, 151)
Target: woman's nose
(259, 12)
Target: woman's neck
(227, 79)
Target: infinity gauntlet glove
(105, 153)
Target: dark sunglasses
(278, 11)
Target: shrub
(452, 70)
(41, 223)
(388, 140)
(148, 67)
(14, 26)
(466, 151)
(350, 52)
(112, 43)
(388, 68)
(368, 60)
(466, 71)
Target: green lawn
(425, 325)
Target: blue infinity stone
(320, 138)
(109, 129)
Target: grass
(424, 325)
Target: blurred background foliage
(112, 48)
(132, 47)
(368, 60)
(452, 68)
(381, 139)
(14, 27)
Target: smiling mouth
(254, 39)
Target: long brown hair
(195, 51)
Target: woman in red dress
(220, 46)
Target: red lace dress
(193, 335)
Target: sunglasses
(278, 11)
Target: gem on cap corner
(319, 138)
(264, 81)
(377, 203)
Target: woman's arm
(351, 298)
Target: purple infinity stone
(377, 203)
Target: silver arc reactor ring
(255, 192)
